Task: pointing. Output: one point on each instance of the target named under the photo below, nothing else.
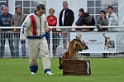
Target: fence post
(51, 45)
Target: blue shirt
(5, 20)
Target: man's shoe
(32, 73)
(49, 73)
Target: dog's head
(80, 45)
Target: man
(5, 20)
(88, 21)
(66, 18)
(112, 17)
(17, 20)
(34, 27)
(113, 20)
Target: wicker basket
(76, 67)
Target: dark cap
(18, 6)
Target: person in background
(5, 20)
(79, 22)
(17, 20)
(112, 17)
(88, 21)
(66, 18)
(102, 21)
(113, 20)
(52, 21)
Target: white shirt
(113, 20)
(63, 17)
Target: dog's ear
(75, 45)
(78, 36)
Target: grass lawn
(103, 70)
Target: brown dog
(72, 53)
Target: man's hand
(23, 41)
(100, 27)
(84, 25)
(48, 29)
(14, 29)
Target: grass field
(103, 70)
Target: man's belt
(47, 35)
(36, 37)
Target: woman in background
(102, 21)
(52, 21)
(79, 21)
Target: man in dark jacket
(88, 21)
(5, 20)
(66, 18)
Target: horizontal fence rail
(56, 43)
(121, 26)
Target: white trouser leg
(45, 54)
(33, 51)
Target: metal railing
(55, 43)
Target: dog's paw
(60, 67)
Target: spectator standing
(113, 20)
(17, 20)
(79, 22)
(5, 20)
(52, 21)
(66, 18)
(112, 17)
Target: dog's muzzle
(87, 47)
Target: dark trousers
(3, 38)
(23, 46)
(55, 40)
